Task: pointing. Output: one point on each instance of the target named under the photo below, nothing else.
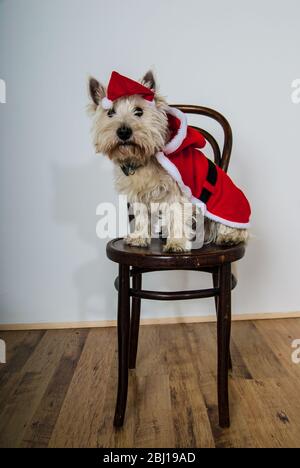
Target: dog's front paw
(177, 245)
(137, 241)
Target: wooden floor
(58, 388)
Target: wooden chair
(134, 261)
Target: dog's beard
(130, 152)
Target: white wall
(238, 57)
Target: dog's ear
(149, 80)
(96, 90)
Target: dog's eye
(111, 112)
(138, 112)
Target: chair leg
(123, 343)
(135, 322)
(224, 328)
(216, 275)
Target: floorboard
(58, 388)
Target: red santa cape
(204, 183)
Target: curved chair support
(213, 114)
(172, 295)
(213, 143)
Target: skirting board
(152, 321)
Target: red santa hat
(121, 86)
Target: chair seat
(154, 256)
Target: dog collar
(129, 168)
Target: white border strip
(147, 321)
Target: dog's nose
(124, 133)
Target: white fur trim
(175, 174)
(197, 202)
(226, 222)
(171, 169)
(175, 143)
(151, 103)
(106, 103)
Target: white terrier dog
(132, 127)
